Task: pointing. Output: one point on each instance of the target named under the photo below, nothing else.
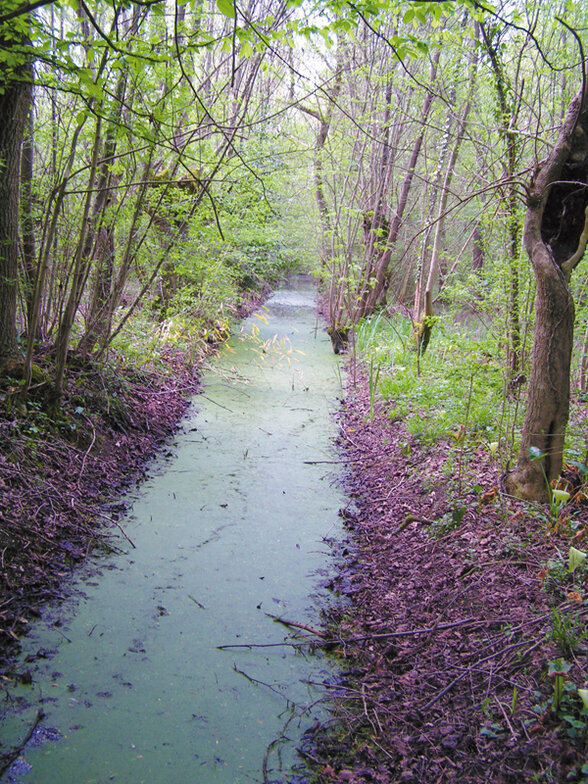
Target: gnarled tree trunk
(555, 237)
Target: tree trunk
(324, 119)
(98, 321)
(426, 319)
(507, 102)
(29, 254)
(555, 237)
(79, 278)
(100, 235)
(375, 283)
(478, 248)
(549, 383)
(15, 99)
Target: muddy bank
(61, 481)
(447, 624)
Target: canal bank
(229, 530)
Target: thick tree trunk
(555, 237)
(549, 383)
(15, 100)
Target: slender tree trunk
(98, 321)
(375, 282)
(79, 277)
(435, 262)
(478, 248)
(28, 219)
(47, 246)
(508, 111)
(324, 119)
(100, 235)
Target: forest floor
(455, 606)
(452, 598)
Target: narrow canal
(231, 529)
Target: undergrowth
(459, 383)
(458, 391)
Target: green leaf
(488, 732)
(583, 468)
(558, 667)
(561, 496)
(535, 453)
(583, 695)
(458, 514)
(226, 7)
(246, 50)
(575, 558)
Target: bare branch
(24, 8)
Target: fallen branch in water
(330, 641)
(296, 625)
(257, 682)
(256, 645)
(10, 756)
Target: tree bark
(15, 100)
(555, 237)
(29, 255)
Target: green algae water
(231, 529)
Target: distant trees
(424, 158)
